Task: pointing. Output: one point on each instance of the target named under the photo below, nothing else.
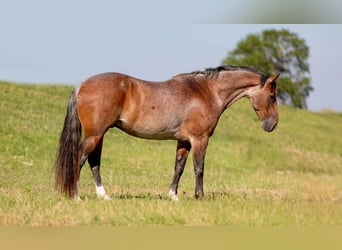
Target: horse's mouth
(269, 124)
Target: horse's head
(264, 101)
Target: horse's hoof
(199, 195)
(77, 198)
(173, 196)
(106, 197)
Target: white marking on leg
(101, 192)
(76, 196)
(173, 196)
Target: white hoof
(101, 193)
(173, 196)
(106, 197)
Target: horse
(185, 108)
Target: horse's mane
(214, 72)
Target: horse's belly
(148, 130)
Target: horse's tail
(67, 161)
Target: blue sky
(68, 41)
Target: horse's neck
(234, 85)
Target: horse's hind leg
(83, 157)
(94, 161)
(91, 149)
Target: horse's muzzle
(269, 124)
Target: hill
(289, 177)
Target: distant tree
(277, 51)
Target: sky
(65, 42)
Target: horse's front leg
(181, 157)
(199, 147)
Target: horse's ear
(273, 78)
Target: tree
(278, 51)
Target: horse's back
(151, 110)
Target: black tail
(67, 161)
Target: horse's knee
(199, 171)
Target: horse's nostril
(269, 124)
(274, 126)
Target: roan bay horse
(185, 108)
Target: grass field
(289, 177)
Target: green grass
(289, 177)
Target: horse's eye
(272, 98)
